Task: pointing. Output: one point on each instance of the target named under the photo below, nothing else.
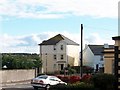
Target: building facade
(109, 60)
(57, 52)
(93, 56)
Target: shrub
(69, 79)
(86, 78)
(75, 86)
(103, 81)
(60, 76)
(86, 69)
(62, 72)
(77, 68)
(81, 85)
(71, 71)
(74, 79)
(66, 79)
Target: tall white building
(57, 52)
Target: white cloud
(10, 41)
(29, 43)
(58, 8)
(94, 38)
(18, 44)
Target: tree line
(20, 61)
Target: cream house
(57, 52)
(109, 60)
(112, 61)
(109, 56)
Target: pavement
(18, 84)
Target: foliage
(75, 86)
(65, 79)
(21, 61)
(69, 70)
(88, 82)
(86, 69)
(103, 81)
(86, 78)
(74, 79)
(69, 79)
(76, 69)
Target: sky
(26, 23)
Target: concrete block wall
(7, 76)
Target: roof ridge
(54, 40)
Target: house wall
(108, 66)
(108, 61)
(117, 42)
(88, 57)
(70, 55)
(97, 60)
(73, 53)
(51, 62)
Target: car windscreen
(43, 77)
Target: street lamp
(46, 62)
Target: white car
(45, 81)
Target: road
(19, 87)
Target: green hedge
(103, 81)
(96, 82)
(76, 86)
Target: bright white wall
(88, 57)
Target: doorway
(60, 66)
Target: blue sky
(26, 23)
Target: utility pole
(81, 59)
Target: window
(61, 56)
(43, 77)
(102, 57)
(54, 47)
(61, 47)
(54, 56)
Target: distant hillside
(19, 54)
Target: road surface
(19, 87)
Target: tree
(21, 61)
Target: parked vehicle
(45, 81)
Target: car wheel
(47, 86)
(35, 88)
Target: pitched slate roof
(98, 49)
(54, 40)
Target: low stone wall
(8, 76)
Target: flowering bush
(74, 79)
(64, 78)
(69, 79)
(86, 78)
(60, 76)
